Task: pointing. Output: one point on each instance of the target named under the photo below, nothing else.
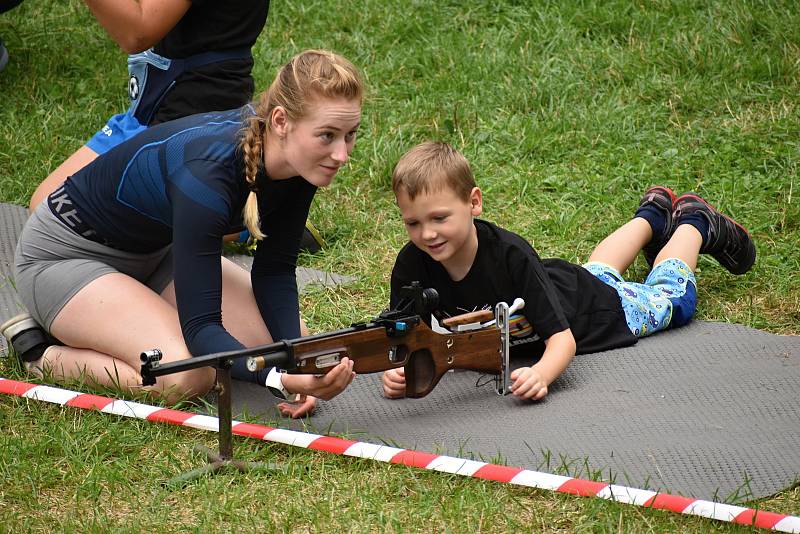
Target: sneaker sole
(17, 324)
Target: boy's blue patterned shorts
(667, 298)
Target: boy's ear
(476, 201)
(279, 121)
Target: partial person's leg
(108, 324)
(672, 281)
(6, 5)
(684, 245)
(78, 160)
(240, 314)
(648, 231)
(3, 55)
(621, 247)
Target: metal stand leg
(223, 460)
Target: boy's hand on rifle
(325, 386)
(394, 383)
(528, 383)
(304, 405)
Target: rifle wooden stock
(424, 354)
(478, 350)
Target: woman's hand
(394, 383)
(325, 386)
(304, 405)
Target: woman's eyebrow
(333, 127)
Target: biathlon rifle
(396, 338)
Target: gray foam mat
(709, 411)
(12, 219)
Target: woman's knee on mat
(185, 385)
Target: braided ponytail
(251, 145)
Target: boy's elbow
(572, 338)
(566, 342)
(573, 345)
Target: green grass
(567, 111)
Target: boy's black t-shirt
(558, 294)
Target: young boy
(474, 264)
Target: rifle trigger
(398, 353)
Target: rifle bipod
(223, 460)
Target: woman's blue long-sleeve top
(181, 183)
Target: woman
(126, 255)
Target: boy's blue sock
(699, 222)
(654, 216)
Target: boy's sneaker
(662, 199)
(727, 241)
(27, 338)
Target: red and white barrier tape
(423, 460)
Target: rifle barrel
(276, 354)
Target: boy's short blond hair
(430, 167)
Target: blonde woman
(126, 255)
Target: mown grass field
(567, 111)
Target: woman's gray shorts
(52, 263)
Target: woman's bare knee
(185, 385)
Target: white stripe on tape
(381, 453)
(537, 479)
(458, 466)
(789, 523)
(131, 409)
(715, 510)
(626, 495)
(48, 394)
(203, 422)
(290, 437)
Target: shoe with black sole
(26, 337)
(727, 241)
